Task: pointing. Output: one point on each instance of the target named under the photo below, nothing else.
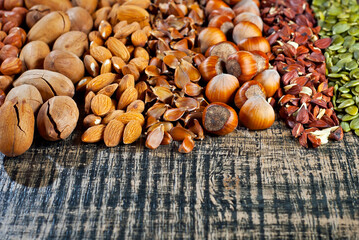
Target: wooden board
(248, 184)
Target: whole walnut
(73, 41)
(36, 13)
(57, 118)
(33, 55)
(81, 19)
(66, 63)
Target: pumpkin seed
(346, 95)
(354, 124)
(345, 126)
(352, 110)
(346, 103)
(356, 132)
(348, 117)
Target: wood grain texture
(253, 185)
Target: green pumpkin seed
(352, 110)
(348, 117)
(342, 50)
(351, 65)
(337, 40)
(346, 95)
(352, 83)
(340, 116)
(345, 126)
(344, 90)
(354, 124)
(340, 27)
(357, 89)
(346, 103)
(348, 41)
(354, 31)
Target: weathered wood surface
(247, 185)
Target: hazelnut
(8, 51)
(11, 66)
(57, 118)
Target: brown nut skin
(73, 41)
(35, 14)
(50, 27)
(48, 83)
(55, 5)
(10, 4)
(81, 19)
(89, 5)
(27, 93)
(17, 127)
(57, 118)
(33, 55)
(66, 63)
(8, 51)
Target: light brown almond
(126, 82)
(112, 115)
(140, 63)
(81, 85)
(118, 64)
(127, 97)
(106, 67)
(132, 132)
(132, 13)
(119, 26)
(91, 66)
(140, 52)
(141, 89)
(129, 116)
(136, 106)
(100, 82)
(118, 48)
(93, 134)
(95, 36)
(88, 99)
(113, 133)
(105, 29)
(91, 120)
(100, 53)
(139, 38)
(109, 90)
(127, 30)
(101, 105)
(131, 69)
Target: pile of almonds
(173, 70)
(305, 99)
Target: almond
(132, 132)
(91, 120)
(139, 38)
(112, 115)
(93, 134)
(131, 69)
(119, 26)
(127, 30)
(105, 29)
(136, 106)
(109, 90)
(127, 97)
(126, 82)
(118, 64)
(129, 116)
(100, 53)
(132, 13)
(100, 82)
(101, 105)
(91, 66)
(140, 3)
(140, 63)
(113, 133)
(106, 66)
(140, 52)
(90, 95)
(118, 48)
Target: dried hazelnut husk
(57, 118)
(36, 13)
(16, 128)
(33, 55)
(27, 93)
(81, 19)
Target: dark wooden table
(246, 185)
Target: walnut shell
(36, 13)
(50, 27)
(48, 83)
(73, 41)
(81, 19)
(33, 55)
(57, 118)
(17, 127)
(27, 93)
(89, 5)
(66, 63)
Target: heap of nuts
(305, 99)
